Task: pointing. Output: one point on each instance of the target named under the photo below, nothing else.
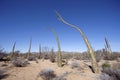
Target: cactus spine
(59, 57)
(91, 52)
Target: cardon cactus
(91, 52)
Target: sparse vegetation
(74, 64)
(113, 73)
(2, 74)
(18, 62)
(47, 74)
(52, 56)
(106, 65)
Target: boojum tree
(90, 50)
(107, 47)
(28, 54)
(59, 57)
(39, 54)
(13, 51)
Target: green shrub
(106, 65)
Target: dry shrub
(47, 74)
(2, 74)
(118, 59)
(32, 58)
(106, 65)
(103, 76)
(74, 64)
(113, 73)
(116, 66)
(20, 62)
(52, 56)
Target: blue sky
(22, 19)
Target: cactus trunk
(107, 47)
(12, 53)
(39, 54)
(91, 52)
(59, 57)
(28, 54)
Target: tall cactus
(107, 47)
(39, 54)
(28, 54)
(13, 49)
(91, 52)
(59, 57)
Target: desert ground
(31, 71)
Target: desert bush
(118, 59)
(113, 73)
(52, 56)
(59, 78)
(2, 74)
(116, 66)
(106, 65)
(47, 74)
(112, 56)
(4, 64)
(74, 64)
(32, 58)
(103, 76)
(20, 63)
(46, 56)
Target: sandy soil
(31, 71)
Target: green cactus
(12, 53)
(28, 54)
(91, 52)
(59, 57)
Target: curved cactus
(91, 52)
(59, 57)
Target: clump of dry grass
(113, 73)
(20, 62)
(2, 74)
(47, 74)
(74, 64)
